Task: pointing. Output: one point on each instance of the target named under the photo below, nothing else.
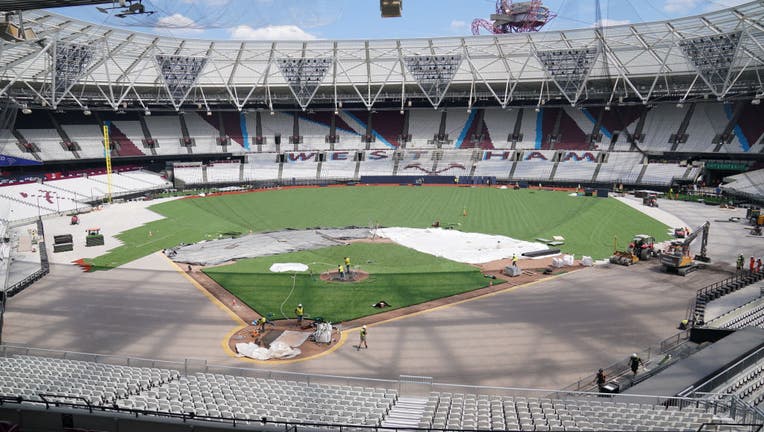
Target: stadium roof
(719, 54)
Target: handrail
(739, 276)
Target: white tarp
(278, 350)
(471, 248)
(288, 267)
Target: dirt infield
(249, 333)
(357, 276)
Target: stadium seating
(529, 128)
(205, 135)
(483, 412)
(338, 165)
(378, 163)
(190, 174)
(662, 174)
(662, 121)
(227, 172)
(423, 126)
(261, 167)
(620, 167)
(99, 384)
(500, 125)
(576, 171)
(250, 398)
(750, 183)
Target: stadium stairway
(406, 413)
(720, 289)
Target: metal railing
(621, 368)
(744, 276)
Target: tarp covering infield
(470, 248)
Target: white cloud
(271, 32)
(723, 4)
(606, 22)
(458, 24)
(178, 21)
(680, 5)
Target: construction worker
(341, 271)
(300, 312)
(758, 265)
(739, 264)
(514, 260)
(347, 265)
(752, 264)
(261, 323)
(601, 380)
(634, 363)
(684, 324)
(363, 338)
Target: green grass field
(398, 275)
(588, 224)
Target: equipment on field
(94, 237)
(681, 232)
(650, 200)
(642, 247)
(756, 219)
(677, 259)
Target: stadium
(527, 230)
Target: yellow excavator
(677, 258)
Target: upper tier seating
(530, 130)
(166, 131)
(662, 121)
(204, 134)
(500, 124)
(423, 126)
(49, 143)
(709, 120)
(89, 137)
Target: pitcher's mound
(354, 276)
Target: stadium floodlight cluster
(179, 74)
(304, 76)
(433, 74)
(713, 57)
(568, 69)
(71, 61)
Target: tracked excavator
(677, 259)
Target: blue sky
(360, 19)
